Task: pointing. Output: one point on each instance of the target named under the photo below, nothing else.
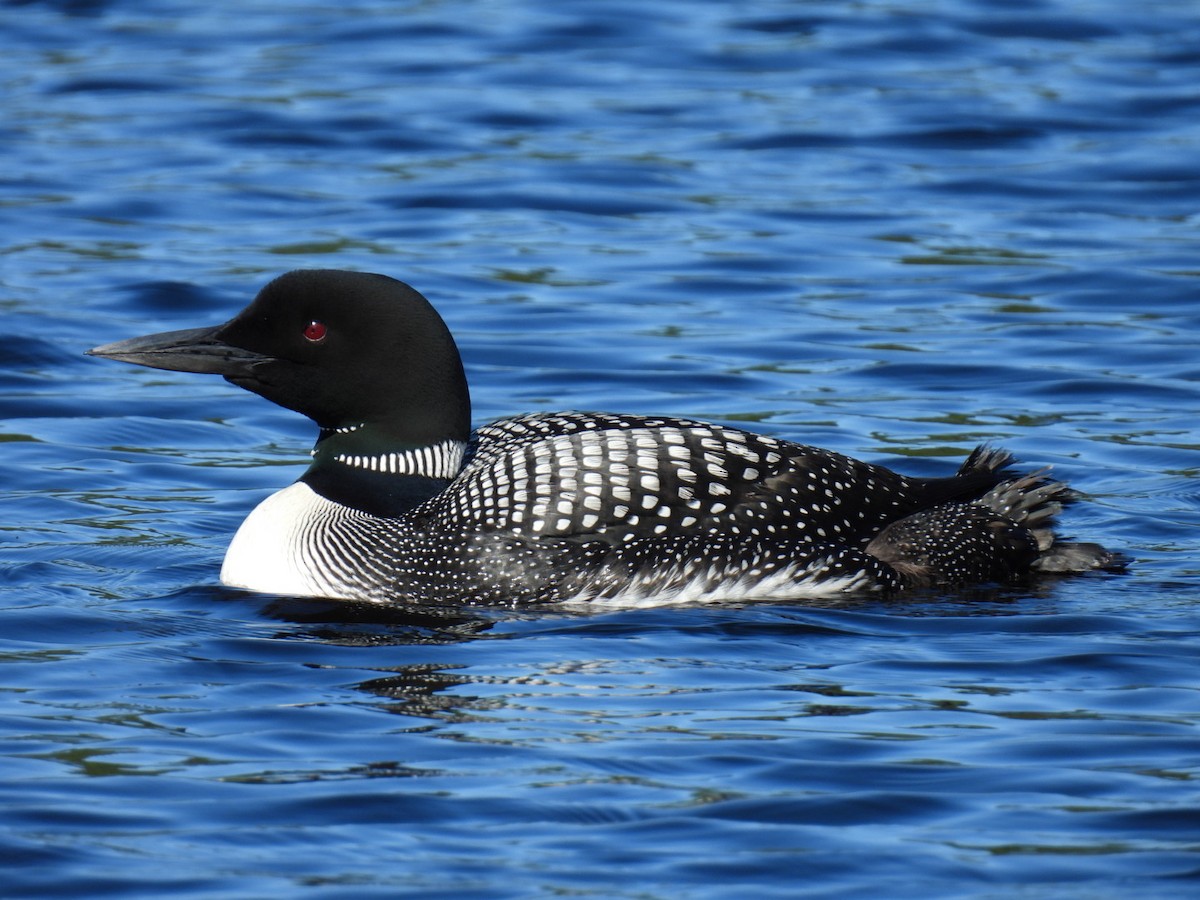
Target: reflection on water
(892, 230)
(368, 624)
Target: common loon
(402, 502)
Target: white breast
(271, 553)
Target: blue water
(894, 229)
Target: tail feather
(987, 459)
(981, 471)
(1003, 532)
(1034, 501)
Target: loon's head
(347, 349)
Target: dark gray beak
(190, 350)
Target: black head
(344, 348)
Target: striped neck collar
(360, 468)
(441, 460)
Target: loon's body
(403, 502)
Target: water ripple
(892, 229)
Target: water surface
(891, 229)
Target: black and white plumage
(404, 503)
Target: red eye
(315, 331)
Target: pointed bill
(189, 350)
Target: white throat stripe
(437, 461)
